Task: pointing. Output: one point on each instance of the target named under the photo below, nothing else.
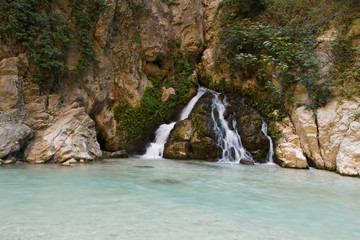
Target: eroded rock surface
(70, 135)
(13, 139)
(288, 149)
(306, 128)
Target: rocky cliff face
(133, 40)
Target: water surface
(162, 199)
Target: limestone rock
(288, 150)
(9, 78)
(36, 116)
(306, 128)
(333, 122)
(348, 157)
(69, 162)
(30, 92)
(70, 135)
(106, 131)
(104, 23)
(188, 24)
(13, 138)
(167, 93)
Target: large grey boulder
(70, 135)
(13, 138)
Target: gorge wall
(136, 43)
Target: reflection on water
(163, 199)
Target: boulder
(348, 157)
(70, 135)
(306, 128)
(288, 150)
(183, 131)
(203, 148)
(247, 161)
(249, 123)
(69, 162)
(194, 137)
(117, 154)
(13, 138)
(334, 121)
(177, 150)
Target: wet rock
(183, 131)
(144, 166)
(168, 181)
(203, 148)
(117, 154)
(177, 150)
(70, 135)
(249, 123)
(10, 161)
(69, 162)
(193, 137)
(247, 161)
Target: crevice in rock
(310, 161)
(101, 142)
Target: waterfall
(156, 148)
(228, 139)
(264, 128)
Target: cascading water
(156, 149)
(227, 139)
(264, 128)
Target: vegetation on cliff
(152, 111)
(273, 42)
(47, 31)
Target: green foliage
(346, 73)
(274, 132)
(271, 46)
(152, 111)
(47, 36)
(85, 14)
